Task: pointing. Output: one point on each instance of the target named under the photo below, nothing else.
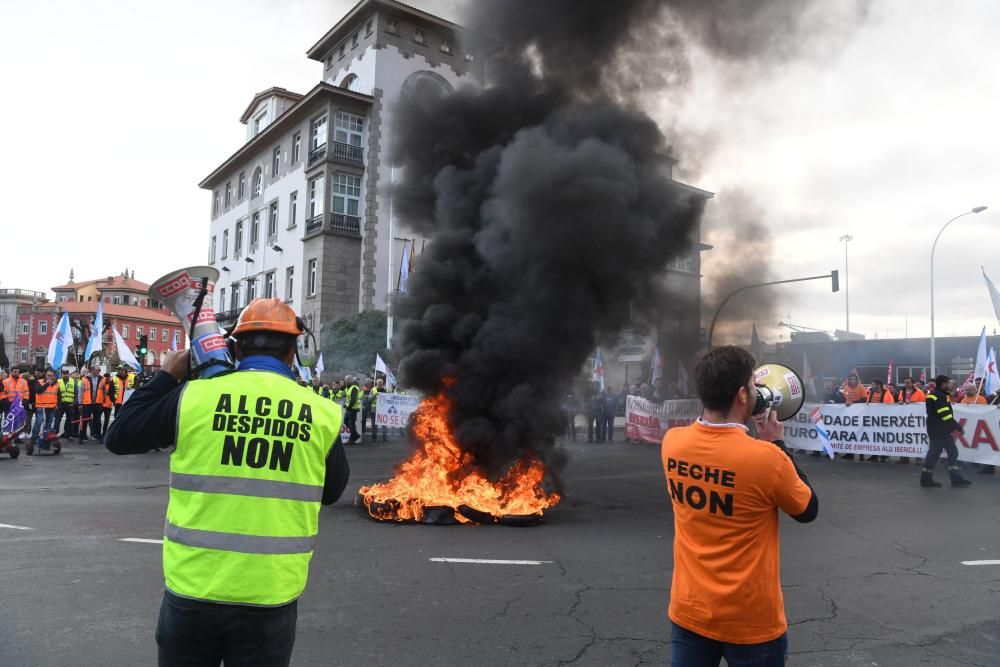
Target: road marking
(7, 525)
(489, 561)
(140, 540)
(981, 562)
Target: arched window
(258, 181)
(351, 83)
(425, 83)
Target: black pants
(599, 422)
(191, 632)
(570, 425)
(609, 427)
(106, 411)
(368, 414)
(70, 411)
(92, 415)
(939, 442)
(351, 416)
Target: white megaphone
(779, 388)
(188, 293)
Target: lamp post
(847, 238)
(978, 209)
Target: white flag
(992, 376)
(319, 365)
(173, 343)
(96, 342)
(404, 266)
(60, 344)
(682, 379)
(124, 353)
(982, 358)
(303, 371)
(807, 376)
(382, 367)
(994, 294)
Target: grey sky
(115, 110)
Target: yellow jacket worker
(256, 455)
(726, 488)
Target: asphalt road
(878, 579)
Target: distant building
(301, 211)
(127, 307)
(10, 301)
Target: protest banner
(394, 410)
(894, 430)
(648, 421)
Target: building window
(368, 27)
(163, 336)
(138, 333)
(392, 26)
(354, 39)
(116, 300)
(348, 128)
(43, 327)
(275, 161)
(229, 194)
(124, 331)
(254, 231)
(258, 123)
(289, 283)
(25, 327)
(215, 203)
(296, 147)
(24, 355)
(419, 36)
(238, 240)
(241, 188)
(272, 221)
(258, 183)
(269, 285)
(235, 303)
(211, 252)
(328, 61)
(346, 194)
(315, 197)
(445, 46)
(225, 243)
(317, 132)
(152, 334)
(341, 52)
(311, 278)
(222, 298)
(251, 289)
(293, 208)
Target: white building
(302, 210)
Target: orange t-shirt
(856, 395)
(916, 397)
(725, 488)
(978, 400)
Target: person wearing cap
(942, 429)
(256, 456)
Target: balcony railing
(228, 316)
(347, 152)
(339, 151)
(334, 222)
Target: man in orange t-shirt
(726, 488)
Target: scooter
(49, 442)
(8, 444)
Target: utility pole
(847, 238)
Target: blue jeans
(47, 415)
(689, 649)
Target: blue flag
(15, 419)
(173, 343)
(62, 338)
(95, 343)
(824, 436)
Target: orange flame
(439, 473)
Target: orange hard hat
(268, 315)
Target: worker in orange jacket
(878, 394)
(93, 390)
(12, 386)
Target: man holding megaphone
(726, 488)
(256, 455)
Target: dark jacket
(833, 397)
(149, 420)
(941, 420)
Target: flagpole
(392, 252)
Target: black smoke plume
(550, 211)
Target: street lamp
(978, 209)
(847, 238)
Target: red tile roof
(116, 282)
(114, 311)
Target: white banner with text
(394, 410)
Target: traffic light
(143, 345)
(835, 276)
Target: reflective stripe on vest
(67, 390)
(48, 397)
(12, 387)
(246, 480)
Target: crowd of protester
(600, 407)
(359, 398)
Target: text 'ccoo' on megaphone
(779, 388)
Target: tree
(352, 343)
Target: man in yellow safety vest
(256, 455)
